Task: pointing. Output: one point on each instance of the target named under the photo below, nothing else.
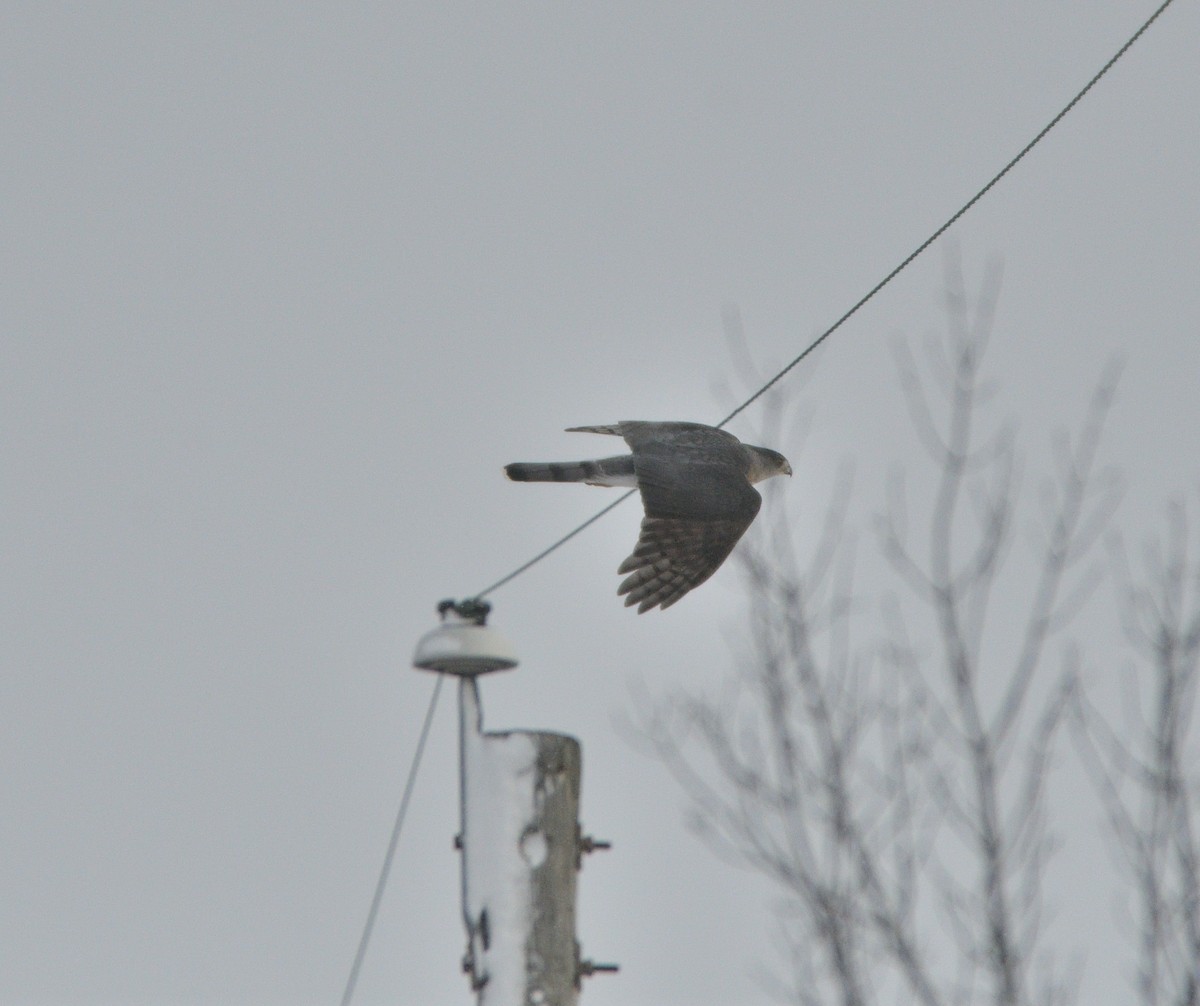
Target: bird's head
(767, 463)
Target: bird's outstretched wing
(673, 555)
(698, 504)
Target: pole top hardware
(471, 609)
(463, 644)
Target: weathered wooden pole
(520, 800)
(520, 840)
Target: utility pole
(520, 839)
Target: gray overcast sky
(284, 287)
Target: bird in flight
(697, 486)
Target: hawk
(697, 486)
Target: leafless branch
(1142, 773)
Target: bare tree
(1142, 772)
(882, 756)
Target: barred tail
(605, 472)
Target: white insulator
(464, 647)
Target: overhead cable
(950, 222)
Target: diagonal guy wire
(352, 980)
